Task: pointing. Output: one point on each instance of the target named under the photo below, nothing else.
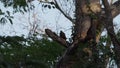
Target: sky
(38, 20)
(42, 18)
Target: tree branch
(65, 58)
(58, 7)
(108, 20)
(115, 9)
(56, 38)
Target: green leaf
(49, 6)
(1, 13)
(3, 20)
(8, 13)
(10, 21)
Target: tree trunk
(82, 52)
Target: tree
(17, 6)
(85, 50)
(15, 53)
(90, 20)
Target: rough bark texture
(86, 34)
(110, 28)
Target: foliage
(17, 6)
(33, 52)
(30, 52)
(5, 16)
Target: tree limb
(65, 58)
(115, 9)
(108, 20)
(56, 38)
(110, 29)
(58, 7)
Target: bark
(82, 26)
(86, 34)
(55, 37)
(115, 9)
(109, 26)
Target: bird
(62, 35)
